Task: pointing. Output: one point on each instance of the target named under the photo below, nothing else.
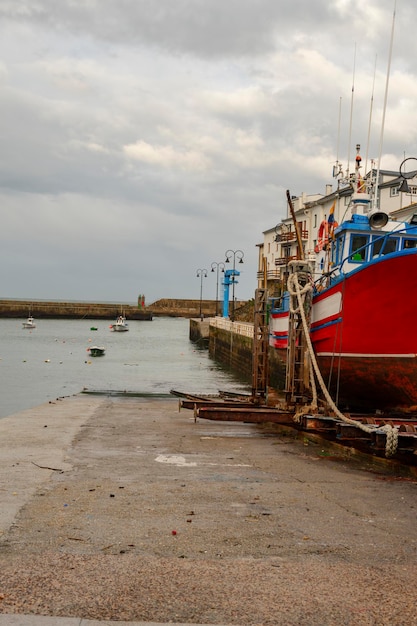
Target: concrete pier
(125, 509)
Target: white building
(281, 243)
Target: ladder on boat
(260, 346)
(297, 376)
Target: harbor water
(52, 361)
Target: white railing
(240, 328)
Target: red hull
(364, 333)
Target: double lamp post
(236, 255)
(233, 254)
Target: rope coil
(300, 292)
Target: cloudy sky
(142, 139)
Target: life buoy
(322, 236)
(325, 230)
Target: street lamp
(406, 176)
(201, 273)
(235, 254)
(217, 266)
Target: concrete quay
(124, 510)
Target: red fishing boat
(362, 321)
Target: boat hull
(120, 326)
(364, 334)
(96, 351)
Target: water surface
(52, 361)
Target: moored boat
(29, 323)
(96, 350)
(363, 301)
(120, 325)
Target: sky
(142, 139)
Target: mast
(297, 230)
(375, 197)
(351, 110)
(370, 119)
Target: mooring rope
(295, 289)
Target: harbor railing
(240, 328)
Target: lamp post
(233, 254)
(201, 273)
(217, 267)
(404, 188)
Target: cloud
(154, 136)
(166, 156)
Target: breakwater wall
(165, 307)
(172, 307)
(231, 344)
(70, 310)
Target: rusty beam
(197, 404)
(319, 423)
(241, 414)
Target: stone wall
(169, 307)
(172, 307)
(43, 309)
(235, 351)
(199, 331)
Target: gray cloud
(154, 136)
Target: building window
(394, 191)
(413, 191)
(315, 220)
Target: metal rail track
(238, 408)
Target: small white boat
(96, 350)
(120, 325)
(29, 323)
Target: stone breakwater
(165, 307)
(71, 310)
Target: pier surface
(124, 509)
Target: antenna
(370, 120)
(385, 108)
(336, 167)
(351, 110)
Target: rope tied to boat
(300, 291)
(391, 445)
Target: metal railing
(291, 236)
(240, 328)
(270, 275)
(284, 260)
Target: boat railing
(371, 245)
(338, 270)
(239, 328)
